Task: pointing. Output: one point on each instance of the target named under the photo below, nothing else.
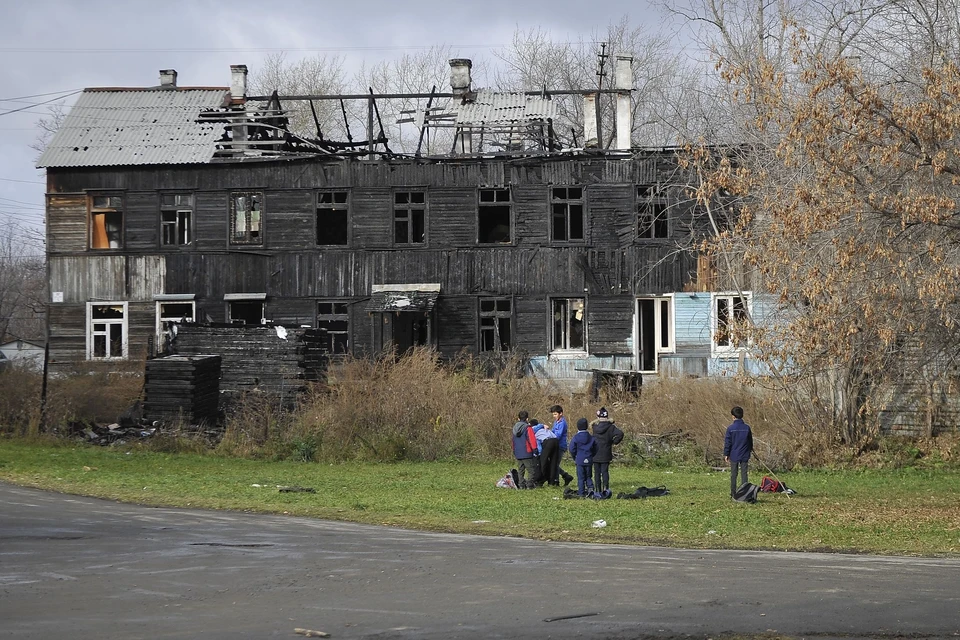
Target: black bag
(747, 492)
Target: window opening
(176, 219)
(567, 207)
(332, 221)
(246, 216)
(409, 213)
(568, 323)
(495, 324)
(248, 312)
(731, 322)
(493, 216)
(653, 220)
(334, 317)
(106, 222)
(108, 331)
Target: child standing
(549, 452)
(582, 449)
(526, 452)
(607, 434)
(560, 429)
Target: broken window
(169, 316)
(106, 330)
(248, 312)
(569, 324)
(246, 218)
(409, 217)
(495, 321)
(176, 219)
(334, 317)
(653, 220)
(332, 221)
(567, 206)
(106, 222)
(493, 216)
(730, 322)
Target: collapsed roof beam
(386, 96)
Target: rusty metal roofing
(501, 108)
(137, 127)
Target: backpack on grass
(772, 485)
(747, 492)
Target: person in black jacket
(606, 434)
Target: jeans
(584, 481)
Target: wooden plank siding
(610, 267)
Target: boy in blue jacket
(737, 447)
(582, 449)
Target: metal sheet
(136, 127)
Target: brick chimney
(623, 73)
(238, 82)
(168, 78)
(460, 81)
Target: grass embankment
(907, 511)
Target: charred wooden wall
(610, 267)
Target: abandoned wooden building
(172, 204)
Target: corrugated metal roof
(493, 108)
(135, 127)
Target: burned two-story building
(172, 204)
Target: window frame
(94, 211)
(495, 203)
(567, 203)
(248, 233)
(410, 208)
(336, 317)
(333, 207)
(567, 330)
(496, 315)
(161, 318)
(721, 350)
(177, 209)
(656, 197)
(91, 333)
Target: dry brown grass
(97, 392)
(419, 408)
(19, 401)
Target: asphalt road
(78, 568)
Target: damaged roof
(108, 127)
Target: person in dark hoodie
(526, 452)
(737, 447)
(606, 434)
(582, 449)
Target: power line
(250, 49)
(40, 103)
(39, 95)
(25, 181)
(31, 205)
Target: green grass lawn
(908, 511)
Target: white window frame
(91, 333)
(729, 349)
(174, 298)
(565, 350)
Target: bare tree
(22, 284)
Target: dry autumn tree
(847, 183)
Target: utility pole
(601, 72)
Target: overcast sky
(54, 47)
